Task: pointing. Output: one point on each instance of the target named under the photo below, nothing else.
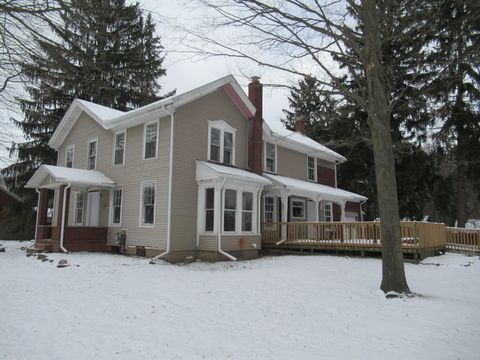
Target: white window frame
(141, 219)
(247, 211)
(223, 127)
(314, 168)
(70, 147)
(112, 213)
(239, 210)
(92, 140)
(274, 211)
(115, 146)
(76, 193)
(265, 158)
(204, 209)
(330, 205)
(145, 139)
(303, 201)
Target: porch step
(41, 246)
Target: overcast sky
(185, 72)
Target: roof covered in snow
(298, 141)
(64, 175)
(208, 170)
(310, 189)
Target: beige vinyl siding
(128, 176)
(291, 163)
(191, 142)
(241, 242)
(208, 242)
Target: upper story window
(92, 154)
(221, 142)
(270, 157)
(119, 148)
(147, 216)
(69, 155)
(311, 168)
(150, 140)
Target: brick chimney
(300, 125)
(255, 94)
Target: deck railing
(414, 234)
(461, 239)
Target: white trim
(330, 205)
(315, 169)
(157, 121)
(75, 200)
(111, 213)
(303, 201)
(70, 146)
(223, 126)
(275, 170)
(144, 184)
(115, 145)
(92, 140)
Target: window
(79, 205)
(209, 208)
(327, 212)
(116, 202)
(69, 154)
(148, 204)
(269, 208)
(92, 154)
(270, 157)
(247, 211)
(151, 137)
(119, 148)
(297, 209)
(311, 169)
(230, 210)
(221, 142)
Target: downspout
(361, 211)
(170, 176)
(64, 205)
(38, 211)
(220, 222)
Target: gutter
(220, 222)
(170, 176)
(63, 217)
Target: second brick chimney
(300, 125)
(255, 128)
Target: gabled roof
(299, 142)
(64, 175)
(112, 119)
(307, 188)
(207, 171)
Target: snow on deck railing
(464, 240)
(414, 234)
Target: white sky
(185, 72)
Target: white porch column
(317, 213)
(284, 215)
(342, 210)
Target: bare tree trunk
(379, 120)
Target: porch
(419, 239)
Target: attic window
(221, 142)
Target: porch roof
(208, 170)
(62, 175)
(313, 190)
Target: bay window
(209, 209)
(230, 210)
(247, 211)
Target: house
(196, 174)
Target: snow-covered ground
(292, 307)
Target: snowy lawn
(291, 307)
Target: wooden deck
(419, 239)
(463, 240)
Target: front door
(93, 208)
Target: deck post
(284, 200)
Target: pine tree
(455, 93)
(109, 54)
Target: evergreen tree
(455, 92)
(109, 54)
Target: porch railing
(363, 234)
(465, 240)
